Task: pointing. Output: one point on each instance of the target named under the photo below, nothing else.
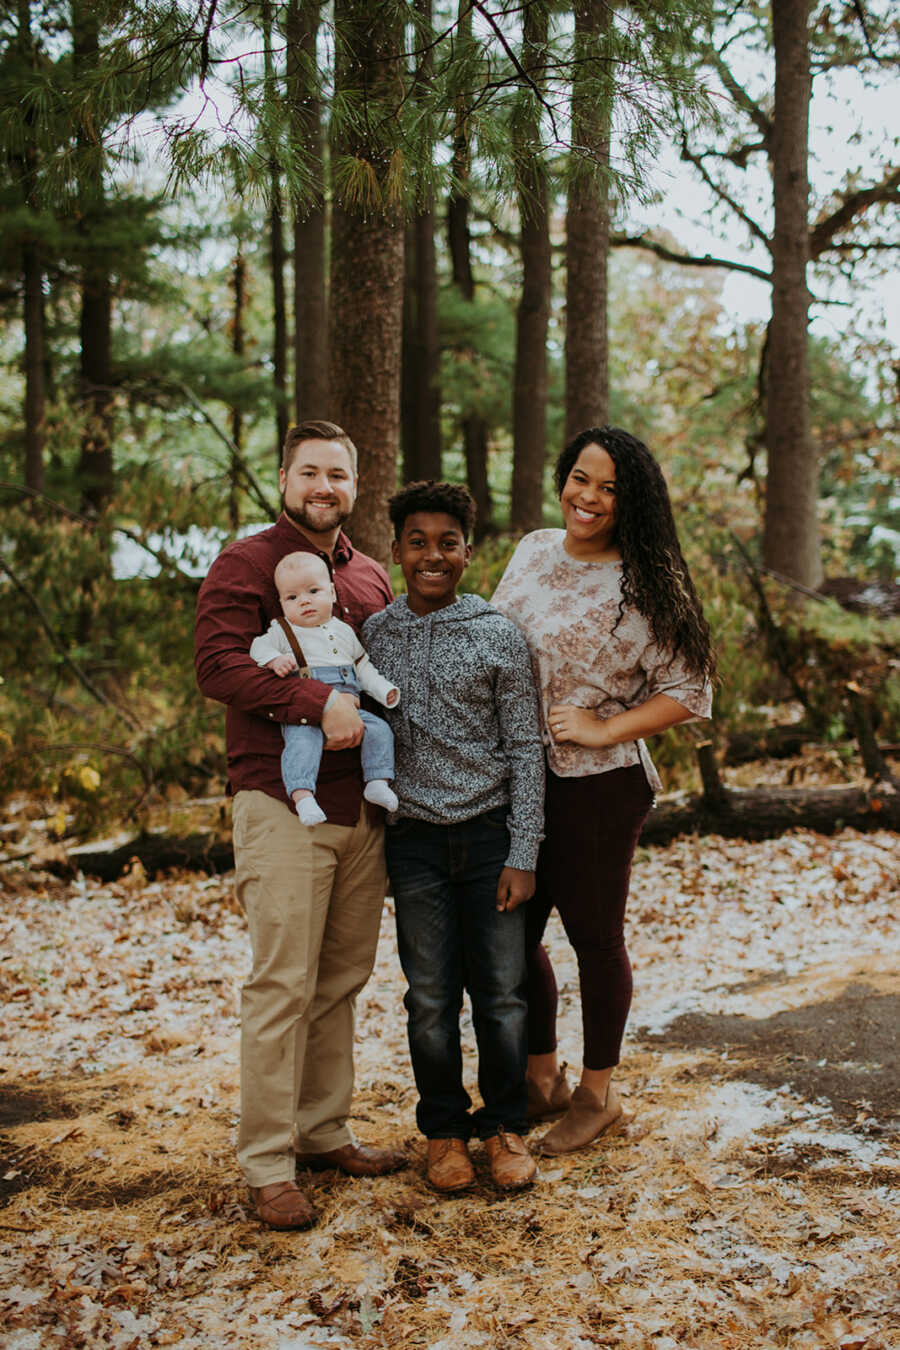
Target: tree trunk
(367, 260)
(276, 249)
(33, 283)
(279, 313)
(587, 225)
(424, 454)
(95, 325)
(308, 210)
(474, 426)
(791, 535)
(533, 313)
(408, 441)
(239, 285)
(421, 365)
(34, 366)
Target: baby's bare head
(301, 568)
(305, 590)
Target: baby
(333, 653)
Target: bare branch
(758, 117)
(853, 205)
(687, 259)
(60, 646)
(697, 160)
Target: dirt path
(749, 1200)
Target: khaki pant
(313, 898)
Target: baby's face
(306, 594)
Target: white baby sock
(310, 812)
(379, 792)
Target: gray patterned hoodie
(466, 728)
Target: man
(312, 895)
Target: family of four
(511, 763)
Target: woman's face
(589, 502)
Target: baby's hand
(282, 665)
(392, 698)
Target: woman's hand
(583, 727)
(579, 725)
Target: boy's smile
(433, 554)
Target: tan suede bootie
(543, 1106)
(587, 1118)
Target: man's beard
(320, 523)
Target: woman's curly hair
(655, 576)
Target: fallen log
(156, 851)
(764, 813)
(736, 813)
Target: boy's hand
(282, 665)
(514, 887)
(391, 700)
(342, 725)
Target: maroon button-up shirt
(237, 602)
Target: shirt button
(346, 610)
(303, 721)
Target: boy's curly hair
(450, 499)
(655, 577)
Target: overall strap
(295, 647)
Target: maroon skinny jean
(591, 827)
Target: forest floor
(748, 1200)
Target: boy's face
(306, 594)
(433, 554)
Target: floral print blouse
(567, 609)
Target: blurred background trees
(426, 220)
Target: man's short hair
(449, 499)
(314, 430)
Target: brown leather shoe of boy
(512, 1166)
(282, 1205)
(449, 1166)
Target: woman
(621, 650)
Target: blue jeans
(452, 938)
(302, 753)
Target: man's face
(433, 554)
(318, 491)
(306, 593)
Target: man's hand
(342, 725)
(514, 887)
(282, 665)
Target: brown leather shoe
(587, 1118)
(449, 1165)
(512, 1166)
(543, 1106)
(357, 1160)
(282, 1205)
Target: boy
(331, 652)
(462, 846)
